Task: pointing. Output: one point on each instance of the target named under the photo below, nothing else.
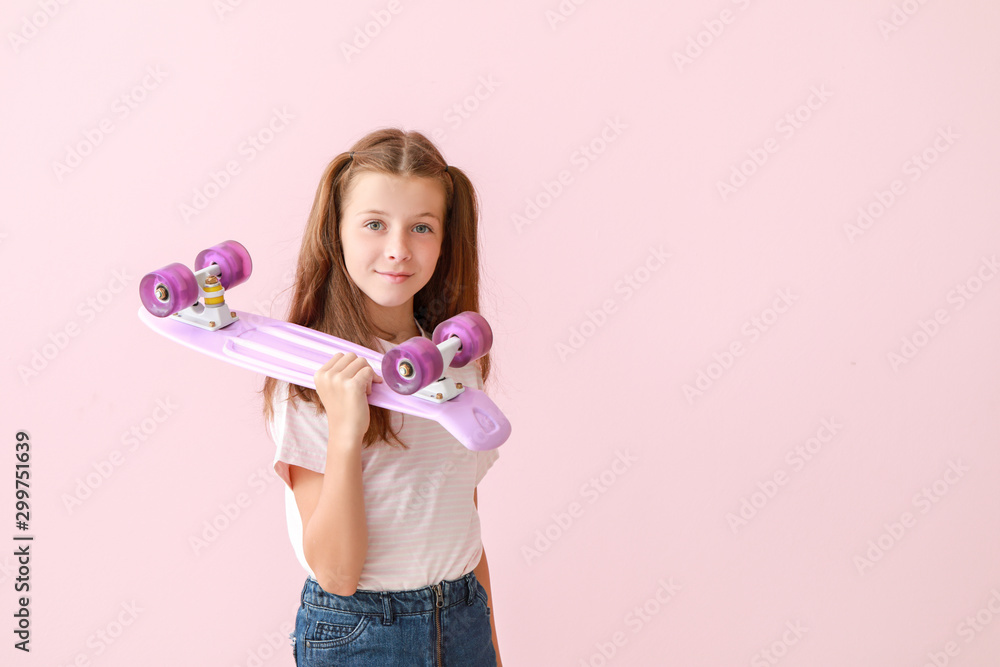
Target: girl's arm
(332, 506)
(483, 576)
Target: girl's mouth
(394, 277)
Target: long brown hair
(326, 299)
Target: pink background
(650, 564)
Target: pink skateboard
(189, 307)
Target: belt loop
(386, 608)
(471, 585)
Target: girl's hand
(343, 384)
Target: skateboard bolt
(211, 324)
(212, 280)
(405, 369)
(438, 396)
(161, 293)
(458, 385)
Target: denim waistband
(394, 603)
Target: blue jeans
(445, 624)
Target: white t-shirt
(422, 524)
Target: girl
(382, 509)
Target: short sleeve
(485, 461)
(300, 433)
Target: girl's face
(392, 225)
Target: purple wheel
(168, 290)
(233, 260)
(412, 365)
(472, 331)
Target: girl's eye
(428, 229)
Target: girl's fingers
(373, 377)
(331, 362)
(330, 368)
(351, 365)
(361, 364)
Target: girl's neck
(399, 338)
(398, 323)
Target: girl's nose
(396, 249)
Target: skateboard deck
(294, 353)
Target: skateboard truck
(196, 297)
(444, 388)
(210, 311)
(416, 366)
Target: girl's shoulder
(287, 407)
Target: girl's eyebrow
(419, 215)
